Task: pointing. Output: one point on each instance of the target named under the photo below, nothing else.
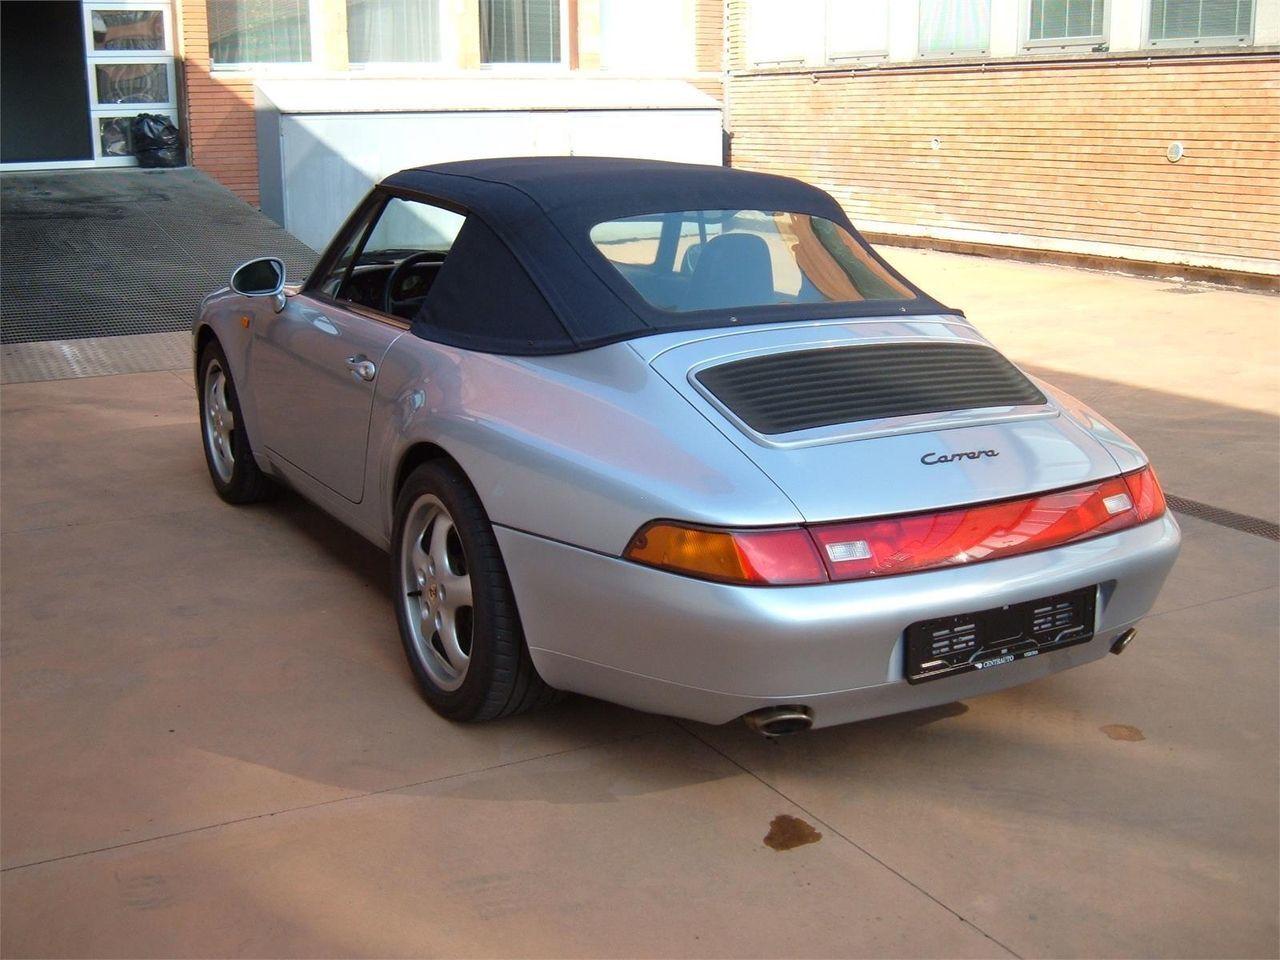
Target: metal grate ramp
(100, 253)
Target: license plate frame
(950, 646)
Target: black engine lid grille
(784, 392)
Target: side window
(337, 272)
(393, 267)
(633, 242)
(408, 226)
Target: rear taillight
(893, 545)
(776, 556)
(876, 548)
(1144, 490)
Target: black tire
(246, 483)
(500, 679)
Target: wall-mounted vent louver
(785, 392)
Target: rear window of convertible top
(690, 260)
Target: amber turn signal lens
(779, 556)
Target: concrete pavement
(211, 744)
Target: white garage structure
(323, 143)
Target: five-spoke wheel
(219, 421)
(438, 596)
(457, 615)
(235, 474)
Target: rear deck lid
(775, 394)
(877, 417)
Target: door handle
(361, 367)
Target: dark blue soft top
(523, 276)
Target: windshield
(691, 260)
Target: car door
(315, 363)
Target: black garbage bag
(156, 142)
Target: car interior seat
(732, 269)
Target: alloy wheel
(219, 421)
(437, 592)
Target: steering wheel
(390, 300)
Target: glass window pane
(954, 26)
(633, 241)
(406, 225)
(857, 26)
(404, 229)
(132, 82)
(520, 31)
(127, 29)
(393, 31)
(743, 258)
(329, 283)
(1195, 19)
(1063, 19)
(781, 32)
(649, 37)
(114, 136)
(259, 31)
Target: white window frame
(165, 10)
(101, 160)
(286, 68)
(686, 39)
(518, 66)
(1237, 40)
(853, 56)
(799, 59)
(166, 61)
(412, 67)
(93, 57)
(924, 54)
(1102, 39)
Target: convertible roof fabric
(539, 211)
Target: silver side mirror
(263, 277)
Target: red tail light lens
(1148, 498)
(893, 545)
(876, 548)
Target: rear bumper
(711, 652)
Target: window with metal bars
(520, 31)
(259, 31)
(1066, 22)
(1195, 22)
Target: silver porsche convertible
(675, 436)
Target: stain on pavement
(787, 832)
(1122, 731)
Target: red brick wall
(217, 108)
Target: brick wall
(1066, 156)
(217, 108)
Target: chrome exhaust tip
(779, 721)
(1123, 641)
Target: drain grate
(1225, 518)
(99, 253)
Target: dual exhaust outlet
(775, 722)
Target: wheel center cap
(433, 593)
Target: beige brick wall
(1066, 155)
